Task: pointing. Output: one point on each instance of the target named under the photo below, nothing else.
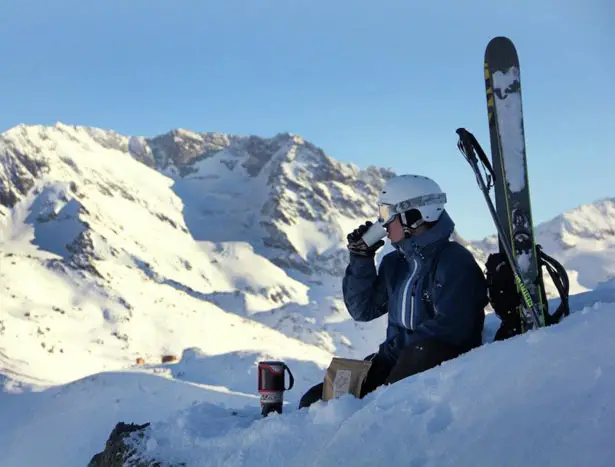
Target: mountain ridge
(207, 226)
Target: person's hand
(357, 246)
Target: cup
(375, 232)
(271, 385)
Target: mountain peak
(581, 239)
(594, 221)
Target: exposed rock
(120, 451)
(18, 171)
(181, 147)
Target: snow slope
(537, 400)
(544, 398)
(68, 422)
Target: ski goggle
(387, 212)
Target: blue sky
(383, 83)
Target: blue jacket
(446, 303)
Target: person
(432, 288)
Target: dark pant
(411, 361)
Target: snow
(106, 260)
(525, 261)
(491, 406)
(510, 125)
(310, 237)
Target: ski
(511, 181)
(469, 147)
(514, 273)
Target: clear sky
(371, 82)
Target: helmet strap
(409, 229)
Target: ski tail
(508, 281)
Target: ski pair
(507, 174)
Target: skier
(431, 287)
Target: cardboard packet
(344, 376)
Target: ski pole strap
(560, 278)
(472, 147)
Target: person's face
(395, 230)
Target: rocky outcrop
(124, 449)
(119, 452)
(18, 172)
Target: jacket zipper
(412, 300)
(405, 298)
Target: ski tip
(500, 53)
(500, 41)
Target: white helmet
(406, 192)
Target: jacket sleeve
(364, 288)
(459, 300)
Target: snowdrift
(544, 398)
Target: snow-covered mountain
(582, 239)
(137, 247)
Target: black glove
(357, 246)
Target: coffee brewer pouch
(344, 376)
